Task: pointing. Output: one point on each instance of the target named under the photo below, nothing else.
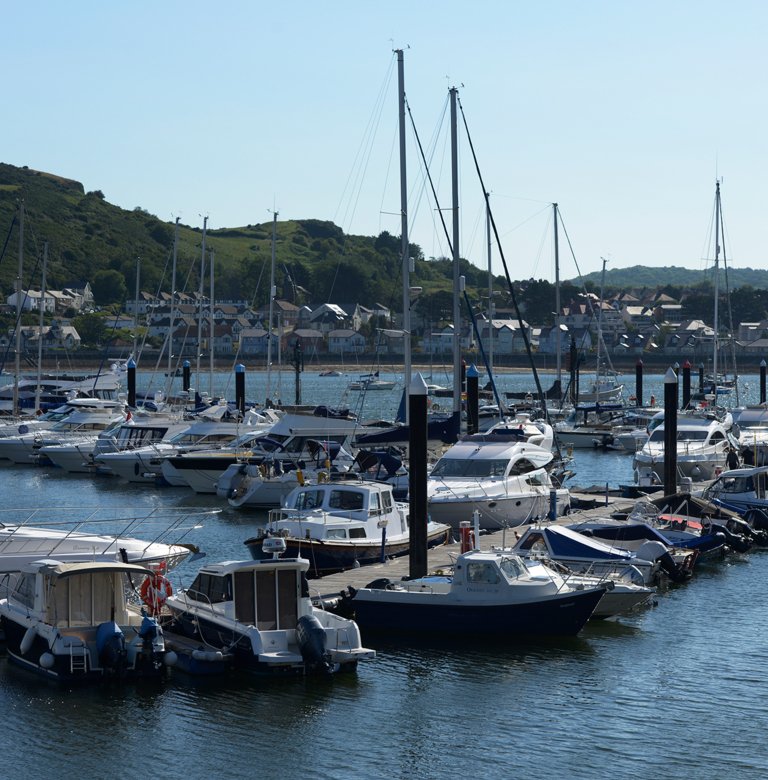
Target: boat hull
(328, 557)
(403, 612)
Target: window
(482, 573)
(309, 499)
(211, 588)
(346, 500)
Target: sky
(625, 114)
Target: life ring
(435, 407)
(155, 591)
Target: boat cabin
(265, 594)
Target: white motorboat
(26, 539)
(703, 442)
(140, 430)
(284, 439)
(211, 428)
(88, 417)
(266, 484)
(486, 594)
(498, 474)
(77, 621)
(342, 525)
(260, 613)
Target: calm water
(673, 691)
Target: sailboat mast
(136, 308)
(717, 290)
(490, 283)
(558, 334)
(600, 327)
(272, 294)
(18, 309)
(404, 250)
(456, 276)
(42, 325)
(173, 303)
(200, 306)
(210, 330)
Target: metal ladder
(78, 662)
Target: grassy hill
(316, 261)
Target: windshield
(457, 467)
(658, 435)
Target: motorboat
(490, 595)
(24, 540)
(88, 417)
(141, 429)
(703, 441)
(209, 429)
(330, 372)
(752, 422)
(73, 622)
(263, 485)
(500, 475)
(53, 390)
(342, 525)
(590, 426)
(740, 489)
(261, 614)
(286, 439)
(583, 553)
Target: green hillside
(316, 261)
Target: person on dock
(732, 459)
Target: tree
(109, 287)
(91, 328)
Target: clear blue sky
(624, 113)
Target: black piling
(639, 383)
(131, 379)
(240, 388)
(686, 385)
(473, 399)
(670, 432)
(762, 381)
(573, 367)
(701, 377)
(417, 475)
(186, 371)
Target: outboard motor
(311, 638)
(736, 542)
(110, 647)
(656, 551)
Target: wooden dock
(443, 556)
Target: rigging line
(730, 310)
(372, 122)
(7, 238)
(466, 297)
(523, 332)
(392, 148)
(17, 321)
(426, 164)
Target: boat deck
(332, 585)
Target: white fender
(27, 640)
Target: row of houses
(627, 326)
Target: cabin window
(336, 533)
(309, 499)
(717, 436)
(374, 507)
(386, 501)
(276, 598)
(82, 600)
(522, 466)
(513, 567)
(210, 588)
(482, 573)
(346, 500)
(245, 610)
(24, 591)
(357, 533)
